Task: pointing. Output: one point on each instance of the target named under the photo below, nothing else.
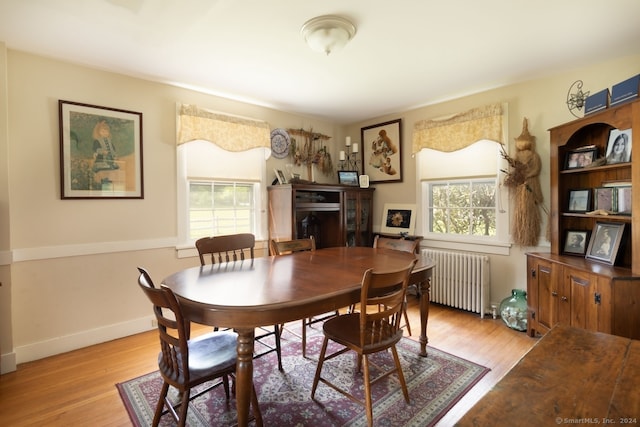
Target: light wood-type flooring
(78, 388)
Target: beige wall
(72, 281)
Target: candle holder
(349, 157)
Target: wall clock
(280, 142)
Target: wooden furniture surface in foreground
(571, 376)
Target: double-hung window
(463, 205)
(219, 192)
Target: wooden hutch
(335, 215)
(575, 290)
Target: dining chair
(299, 245)
(403, 245)
(186, 362)
(233, 248)
(375, 328)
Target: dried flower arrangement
(312, 151)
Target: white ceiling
(405, 53)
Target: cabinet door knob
(554, 294)
(533, 273)
(564, 299)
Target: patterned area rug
(435, 384)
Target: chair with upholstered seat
(403, 245)
(374, 329)
(299, 245)
(234, 248)
(186, 362)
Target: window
(462, 207)
(218, 207)
(220, 192)
(462, 199)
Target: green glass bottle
(513, 310)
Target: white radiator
(460, 280)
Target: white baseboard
(8, 363)
(40, 350)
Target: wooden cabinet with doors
(571, 288)
(335, 215)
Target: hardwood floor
(78, 388)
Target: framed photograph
(581, 157)
(398, 218)
(576, 241)
(282, 179)
(623, 200)
(579, 200)
(603, 199)
(348, 177)
(619, 146)
(605, 241)
(382, 152)
(100, 152)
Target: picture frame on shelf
(623, 200)
(605, 241)
(100, 152)
(619, 147)
(576, 241)
(604, 199)
(282, 179)
(398, 218)
(579, 200)
(348, 178)
(382, 151)
(581, 157)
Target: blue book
(625, 91)
(596, 102)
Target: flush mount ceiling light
(327, 33)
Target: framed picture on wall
(382, 151)
(100, 152)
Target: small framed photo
(623, 200)
(619, 146)
(100, 152)
(282, 179)
(579, 200)
(581, 157)
(575, 242)
(603, 199)
(605, 241)
(348, 177)
(398, 218)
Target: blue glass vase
(513, 310)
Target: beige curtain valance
(228, 132)
(459, 131)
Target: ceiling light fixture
(327, 33)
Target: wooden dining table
(273, 290)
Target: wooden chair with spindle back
(374, 329)
(238, 248)
(186, 362)
(299, 245)
(403, 245)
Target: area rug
(435, 384)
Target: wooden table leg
(244, 374)
(425, 296)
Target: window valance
(460, 130)
(228, 132)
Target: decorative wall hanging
(523, 179)
(382, 152)
(308, 148)
(100, 152)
